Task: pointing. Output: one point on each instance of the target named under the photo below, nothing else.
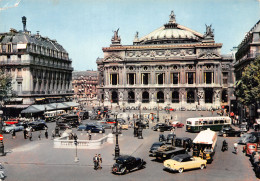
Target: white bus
(202, 123)
(52, 115)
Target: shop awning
(17, 106)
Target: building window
(19, 87)
(19, 73)
(131, 79)
(175, 97)
(160, 97)
(145, 78)
(114, 97)
(225, 78)
(114, 79)
(208, 95)
(190, 77)
(175, 78)
(224, 96)
(145, 97)
(208, 77)
(160, 78)
(9, 48)
(190, 97)
(131, 97)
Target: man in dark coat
(95, 161)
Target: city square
(129, 90)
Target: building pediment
(209, 54)
(113, 58)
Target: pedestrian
(99, 161)
(13, 134)
(89, 136)
(53, 134)
(46, 133)
(25, 134)
(235, 148)
(39, 136)
(30, 135)
(95, 161)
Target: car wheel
(202, 166)
(180, 170)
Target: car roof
(183, 156)
(124, 157)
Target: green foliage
(5, 85)
(248, 88)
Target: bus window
(216, 122)
(196, 122)
(210, 122)
(225, 121)
(221, 121)
(205, 122)
(188, 123)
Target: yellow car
(124, 126)
(184, 162)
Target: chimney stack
(24, 23)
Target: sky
(83, 27)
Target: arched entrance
(208, 95)
(175, 97)
(160, 97)
(145, 97)
(114, 97)
(224, 96)
(131, 97)
(190, 97)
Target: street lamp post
(158, 111)
(117, 149)
(2, 150)
(76, 144)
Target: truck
(204, 145)
(167, 151)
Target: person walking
(89, 136)
(30, 135)
(39, 136)
(99, 161)
(235, 148)
(13, 134)
(95, 161)
(25, 134)
(46, 133)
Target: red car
(250, 148)
(177, 124)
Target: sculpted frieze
(113, 58)
(208, 54)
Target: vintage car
(229, 131)
(184, 162)
(250, 148)
(177, 124)
(155, 146)
(162, 127)
(92, 128)
(124, 126)
(13, 127)
(126, 163)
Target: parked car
(37, 126)
(162, 127)
(64, 126)
(249, 148)
(91, 127)
(155, 146)
(177, 124)
(184, 162)
(124, 126)
(126, 163)
(243, 128)
(13, 127)
(245, 138)
(229, 131)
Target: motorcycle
(2, 173)
(224, 146)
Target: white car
(13, 127)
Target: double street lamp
(117, 149)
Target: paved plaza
(38, 160)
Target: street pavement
(38, 160)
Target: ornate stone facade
(173, 65)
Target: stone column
(201, 95)
(217, 100)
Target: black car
(170, 137)
(37, 126)
(126, 163)
(64, 126)
(91, 127)
(155, 146)
(184, 142)
(229, 131)
(162, 127)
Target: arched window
(160, 97)
(175, 97)
(131, 97)
(190, 97)
(224, 95)
(114, 97)
(145, 97)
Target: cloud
(10, 5)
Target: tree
(5, 85)
(248, 87)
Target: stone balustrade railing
(65, 142)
